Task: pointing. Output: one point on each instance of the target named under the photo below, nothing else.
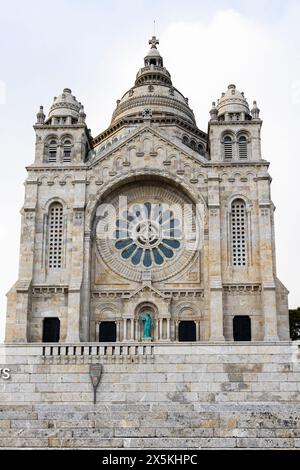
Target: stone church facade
(193, 245)
(152, 222)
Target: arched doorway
(187, 330)
(242, 328)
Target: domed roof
(153, 90)
(153, 52)
(65, 105)
(232, 101)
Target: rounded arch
(50, 137)
(65, 137)
(243, 133)
(139, 175)
(105, 312)
(54, 200)
(143, 306)
(185, 139)
(238, 196)
(228, 133)
(186, 307)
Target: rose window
(148, 234)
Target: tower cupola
(65, 109)
(233, 105)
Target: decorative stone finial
(153, 42)
(82, 115)
(213, 112)
(255, 111)
(40, 116)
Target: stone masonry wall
(151, 395)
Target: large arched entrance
(147, 241)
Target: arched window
(185, 140)
(243, 151)
(238, 233)
(201, 149)
(228, 147)
(55, 236)
(67, 151)
(52, 151)
(193, 145)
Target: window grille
(55, 236)
(238, 233)
(228, 147)
(67, 151)
(52, 151)
(243, 147)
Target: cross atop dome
(153, 42)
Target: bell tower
(63, 137)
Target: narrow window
(243, 147)
(187, 331)
(67, 151)
(108, 331)
(242, 328)
(185, 140)
(238, 233)
(55, 236)
(201, 149)
(52, 154)
(227, 146)
(51, 330)
(193, 144)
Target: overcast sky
(96, 47)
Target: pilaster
(214, 252)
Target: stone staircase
(155, 396)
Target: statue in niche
(147, 326)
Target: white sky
(96, 48)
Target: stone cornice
(175, 120)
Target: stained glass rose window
(148, 234)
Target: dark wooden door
(108, 332)
(242, 328)
(187, 331)
(51, 330)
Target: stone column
(197, 331)
(214, 249)
(176, 326)
(124, 329)
(118, 330)
(168, 329)
(156, 323)
(132, 329)
(160, 322)
(267, 258)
